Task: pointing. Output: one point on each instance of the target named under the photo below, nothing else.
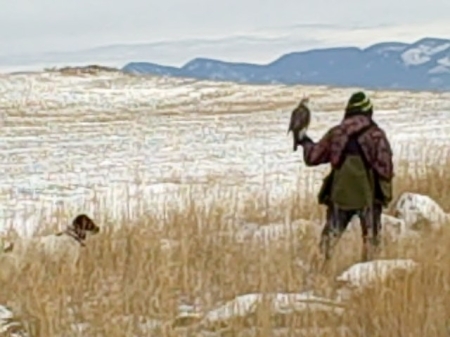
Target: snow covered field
(69, 142)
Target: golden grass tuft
(138, 273)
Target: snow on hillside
(423, 51)
(421, 65)
(69, 141)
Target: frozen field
(70, 142)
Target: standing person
(360, 181)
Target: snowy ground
(72, 141)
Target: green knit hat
(359, 100)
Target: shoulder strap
(366, 163)
(364, 130)
(354, 137)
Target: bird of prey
(299, 123)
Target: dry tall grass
(138, 273)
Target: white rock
(364, 274)
(9, 325)
(239, 307)
(280, 303)
(392, 224)
(290, 303)
(414, 207)
(396, 229)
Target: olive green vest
(352, 186)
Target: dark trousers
(337, 222)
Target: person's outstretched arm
(315, 154)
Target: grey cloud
(48, 25)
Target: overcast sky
(51, 25)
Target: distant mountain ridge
(422, 65)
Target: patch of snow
(264, 234)
(114, 143)
(390, 48)
(444, 61)
(422, 54)
(414, 57)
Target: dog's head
(84, 224)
